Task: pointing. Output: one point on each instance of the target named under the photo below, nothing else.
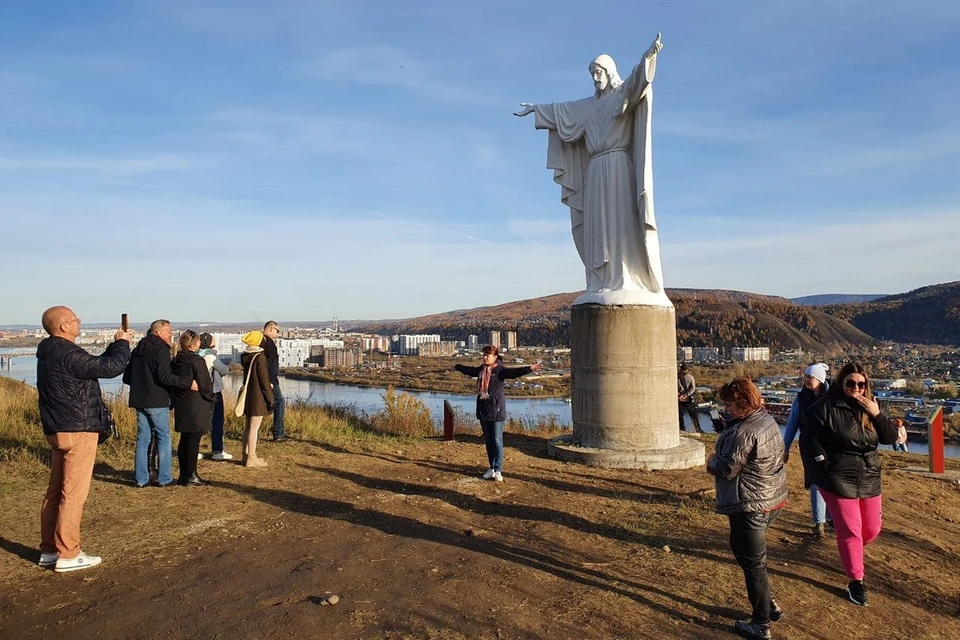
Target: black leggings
(187, 452)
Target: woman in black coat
(492, 403)
(844, 428)
(193, 410)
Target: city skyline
(316, 160)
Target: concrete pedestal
(624, 397)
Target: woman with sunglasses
(845, 428)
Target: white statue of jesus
(599, 151)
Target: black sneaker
(752, 630)
(776, 613)
(857, 592)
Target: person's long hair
(836, 390)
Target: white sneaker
(223, 455)
(82, 561)
(489, 474)
(47, 560)
(497, 476)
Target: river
(369, 400)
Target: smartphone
(124, 325)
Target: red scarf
(483, 381)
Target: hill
(929, 315)
(836, 298)
(705, 317)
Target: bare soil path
(417, 546)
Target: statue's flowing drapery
(599, 150)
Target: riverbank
(432, 374)
(416, 546)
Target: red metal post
(935, 438)
(447, 421)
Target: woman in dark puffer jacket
(751, 484)
(845, 428)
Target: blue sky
(236, 160)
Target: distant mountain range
(712, 317)
(929, 315)
(836, 298)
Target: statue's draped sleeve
(567, 156)
(637, 90)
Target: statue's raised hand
(527, 110)
(654, 48)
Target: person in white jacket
(208, 350)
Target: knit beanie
(252, 338)
(818, 371)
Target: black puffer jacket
(849, 466)
(70, 397)
(748, 465)
(149, 375)
(494, 407)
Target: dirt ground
(417, 546)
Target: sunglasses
(855, 384)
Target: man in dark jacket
(270, 332)
(151, 382)
(73, 416)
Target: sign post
(447, 421)
(935, 438)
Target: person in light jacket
(814, 387)
(492, 403)
(208, 351)
(845, 428)
(751, 485)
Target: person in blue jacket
(492, 403)
(814, 387)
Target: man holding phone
(73, 416)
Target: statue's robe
(599, 151)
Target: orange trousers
(71, 470)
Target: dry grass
(23, 448)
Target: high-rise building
(435, 349)
(684, 354)
(473, 342)
(747, 354)
(495, 338)
(510, 339)
(706, 354)
(407, 345)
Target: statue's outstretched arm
(527, 110)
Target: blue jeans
(493, 438)
(155, 421)
(901, 447)
(216, 433)
(279, 404)
(817, 506)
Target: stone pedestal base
(624, 395)
(689, 453)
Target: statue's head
(604, 72)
